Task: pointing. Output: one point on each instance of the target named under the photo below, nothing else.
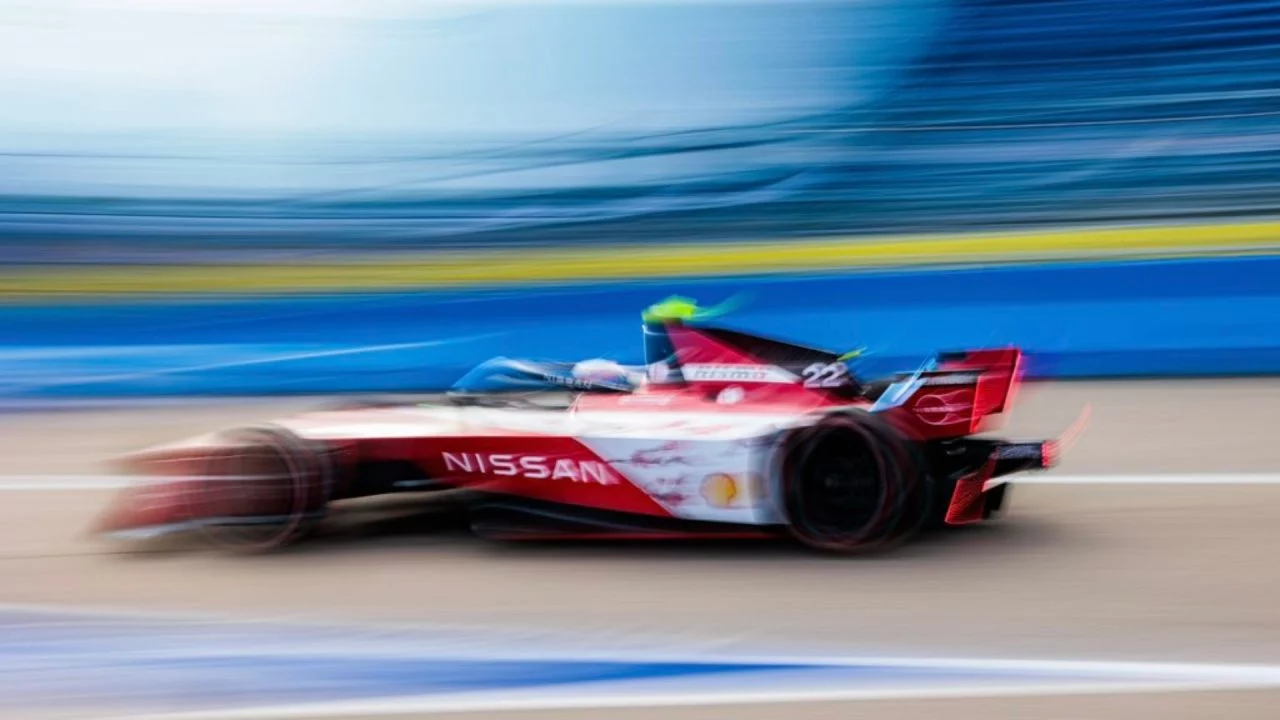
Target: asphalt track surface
(1146, 572)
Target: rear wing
(955, 394)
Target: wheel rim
(841, 485)
(840, 489)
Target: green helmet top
(685, 310)
(681, 309)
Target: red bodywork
(690, 450)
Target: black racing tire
(263, 488)
(850, 483)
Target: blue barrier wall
(1182, 317)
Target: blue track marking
(64, 665)
(67, 662)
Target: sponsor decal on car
(666, 454)
(532, 467)
(720, 490)
(582, 383)
(731, 395)
(944, 408)
(949, 379)
(737, 373)
(826, 375)
(1021, 451)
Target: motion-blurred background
(203, 196)
(277, 197)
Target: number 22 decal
(825, 375)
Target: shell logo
(720, 490)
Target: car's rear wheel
(850, 483)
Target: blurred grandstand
(992, 114)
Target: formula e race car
(719, 434)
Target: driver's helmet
(607, 372)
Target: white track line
(1057, 676)
(1172, 479)
(17, 483)
(494, 703)
(262, 360)
(21, 483)
(395, 640)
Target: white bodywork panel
(699, 479)
(427, 421)
(697, 464)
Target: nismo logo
(737, 373)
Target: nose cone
(249, 489)
(147, 509)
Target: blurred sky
(358, 69)
(352, 122)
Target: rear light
(1049, 452)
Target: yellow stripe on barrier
(621, 262)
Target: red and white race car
(720, 434)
